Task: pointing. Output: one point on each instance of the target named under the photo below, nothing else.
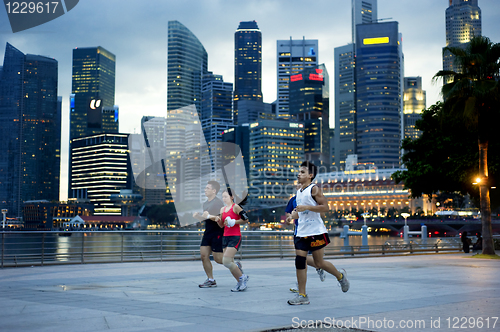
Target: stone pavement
(407, 291)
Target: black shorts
(311, 243)
(231, 241)
(213, 240)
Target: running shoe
(237, 287)
(344, 283)
(243, 283)
(208, 283)
(299, 299)
(240, 267)
(322, 274)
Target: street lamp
(405, 215)
(365, 215)
(4, 212)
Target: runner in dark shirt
(211, 243)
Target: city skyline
(141, 57)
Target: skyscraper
(309, 104)
(292, 56)
(413, 105)
(216, 106)
(362, 12)
(92, 99)
(100, 167)
(345, 104)
(186, 64)
(463, 21)
(247, 64)
(378, 94)
(30, 122)
(151, 181)
(276, 152)
(92, 103)
(216, 117)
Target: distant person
(231, 217)
(311, 232)
(292, 204)
(465, 242)
(479, 243)
(211, 242)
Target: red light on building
(297, 77)
(319, 71)
(315, 77)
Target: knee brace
(228, 262)
(300, 262)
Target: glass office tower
(292, 57)
(30, 122)
(187, 62)
(413, 105)
(378, 93)
(247, 64)
(309, 104)
(345, 104)
(463, 21)
(101, 168)
(93, 90)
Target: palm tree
(473, 94)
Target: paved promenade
(164, 296)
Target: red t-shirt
(231, 231)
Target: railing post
(3, 245)
(43, 246)
(161, 247)
(437, 250)
(281, 246)
(121, 250)
(411, 248)
(383, 249)
(83, 248)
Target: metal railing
(25, 248)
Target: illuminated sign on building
(377, 40)
(253, 125)
(296, 125)
(312, 77)
(316, 77)
(95, 104)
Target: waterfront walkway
(164, 296)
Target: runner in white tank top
(311, 232)
(310, 223)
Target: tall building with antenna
(363, 12)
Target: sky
(136, 32)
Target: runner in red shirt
(232, 216)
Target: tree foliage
(445, 157)
(163, 214)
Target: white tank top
(310, 223)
